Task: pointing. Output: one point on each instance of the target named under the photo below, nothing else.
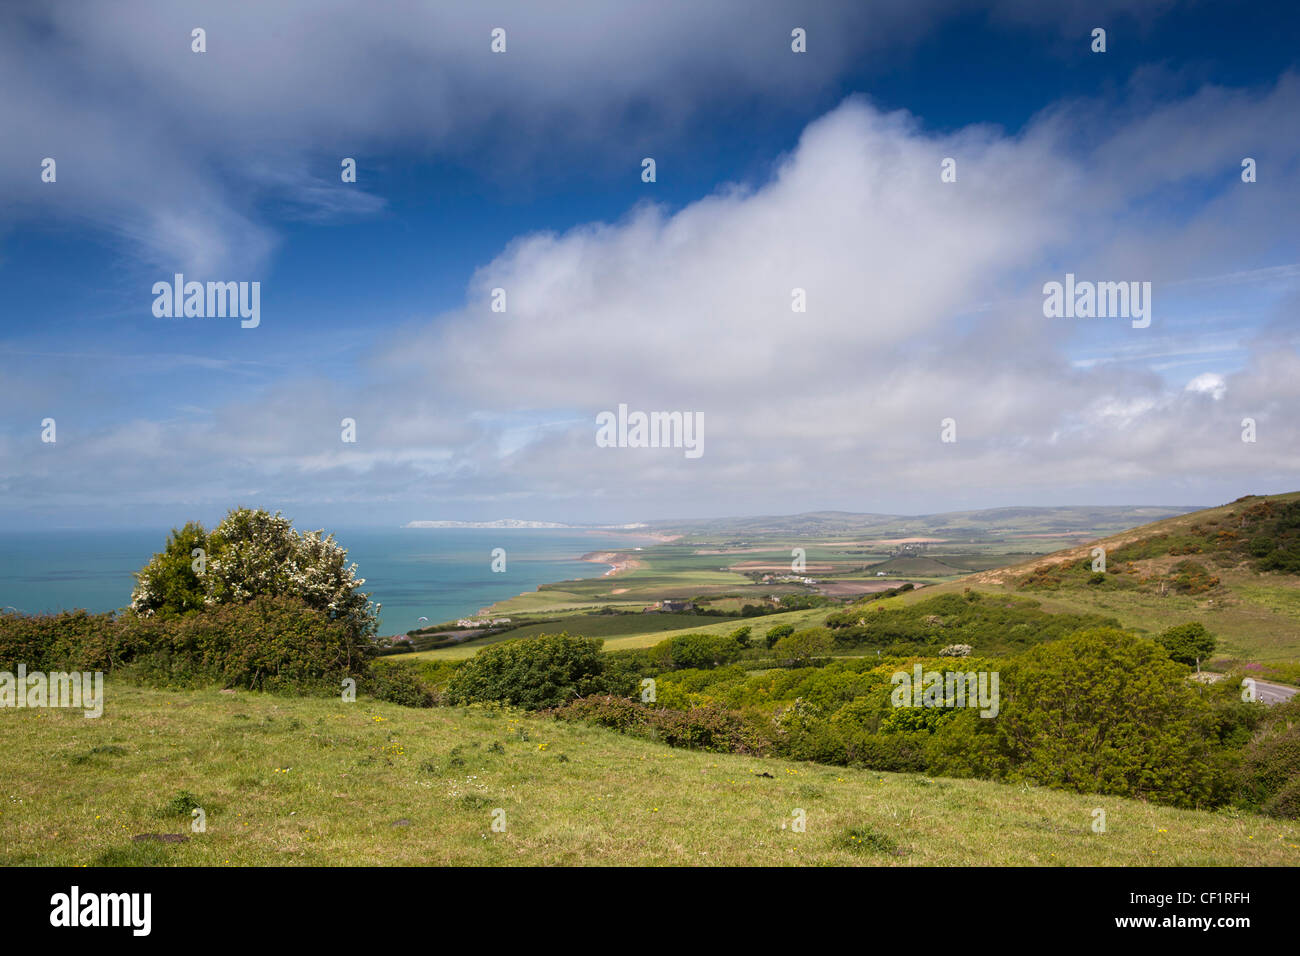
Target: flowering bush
(253, 553)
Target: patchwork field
(1255, 616)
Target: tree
(776, 633)
(543, 671)
(170, 583)
(1104, 711)
(741, 635)
(702, 650)
(802, 646)
(1188, 643)
(253, 553)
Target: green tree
(802, 646)
(543, 671)
(1104, 711)
(701, 650)
(170, 583)
(776, 633)
(1188, 643)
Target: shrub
(532, 673)
(398, 684)
(170, 583)
(701, 650)
(51, 641)
(1286, 802)
(704, 728)
(270, 643)
(1270, 769)
(1189, 577)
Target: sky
(522, 170)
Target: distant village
(482, 621)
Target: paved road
(1265, 691)
(1273, 693)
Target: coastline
(618, 561)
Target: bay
(438, 573)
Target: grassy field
(620, 633)
(287, 781)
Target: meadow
(301, 781)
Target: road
(1266, 692)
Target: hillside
(1235, 568)
(296, 781)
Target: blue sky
(522, 168)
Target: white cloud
(690, 310)
(1210, 384)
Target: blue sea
(437, 573)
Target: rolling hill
(1234, 568)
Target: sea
(438, 574)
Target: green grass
(642, 630)
(286, 781)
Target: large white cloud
(923, 296)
